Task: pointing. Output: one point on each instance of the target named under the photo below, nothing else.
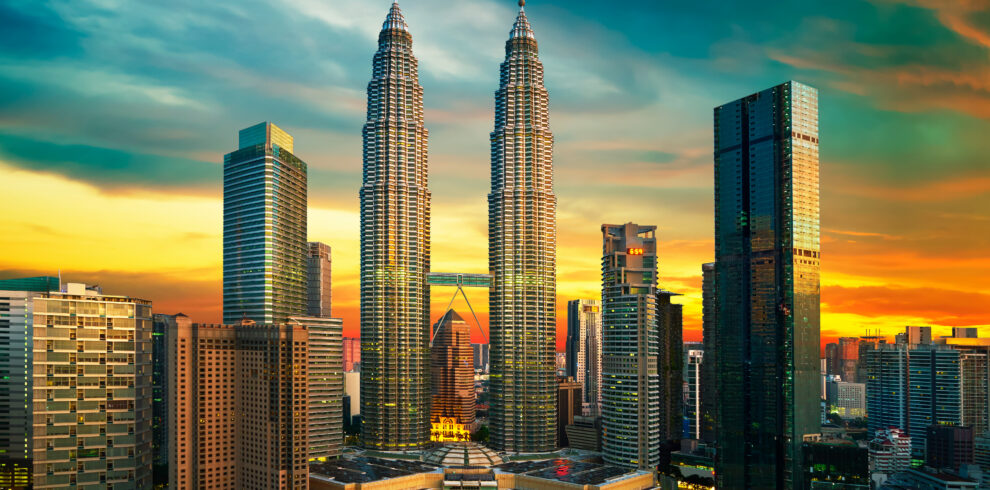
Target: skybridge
(459, 281)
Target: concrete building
(326, 385)
(694, 354)
(890, 452)
(630, 373)
(318, 283)
(981, 455)
(848, 400)
(948, 447)
(522, 254)
(264, 228)
(395, 249)
(767, 170)
(670, 363)
(569, 403)
(585, 433)
(481, 357)
(352, 354)
(352, 387)
(584, 350)
(452, 413)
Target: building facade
(584, 351)
(694, 361)
(670, 363)
(161, 326)
(326, 385)
(318, 267)
(848, 400)
(522, 252)
(395, 249)
(452, 380)
(767, 252)
(264, 228)
(17, 383)
(890, 451)
(948, 447)
(569, 405)
(709, 368)
(630, 377)
(981, 455)
(481, 357)
(352, 354)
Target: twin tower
(395, 251)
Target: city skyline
(873, 237)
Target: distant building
(584, 350)
(670, 363)
(848, 359)
(981, 455)
(709, 368)
(914, 479)
(585, 433)
(162, 325)
(948, 447)
(890, 452)
(569, 402)
(452, 412)
(352, 387)
(318, 294)
(264, 228)
(352, 353)
(848, 400)
(560, 362)
(840, 465)
(326, 385)
(694, 354)
(481, 357)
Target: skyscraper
(161, 326)
(352, 353)
(709, 367)
(630, 377)
(326, 385)
(522, 250)
(395, 249)
(264, 228)
(694, 361)
(452, 379)
(318, 281)
(670, 363)
(767, 256)
(584, 351)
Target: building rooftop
(463, 454)
(567, 471)
(368, 469)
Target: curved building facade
(522, 254)
(395, 249)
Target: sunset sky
(115, 116)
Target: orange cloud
(930, 305)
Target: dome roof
(463, 454)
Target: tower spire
(394, 19)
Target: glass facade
(522, 254)
(16, 394)
(395, 249)
(670, 363)
(92, 390)
(264, 229)
(584, 351)
(161, 326)
(318, 281)
(709, 367)
(326, 386)
(630, 377)
(768, 261)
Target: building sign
(634, 251)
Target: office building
(264, 228)
(890, 451)
(847, 400)
(767, 253)
(352, 354)
(709, 368)
(848, 359)
(326, 385)
(630, 376)
(352, 387)
(318, 281)
(395, 249)
(886, 386)
(913, 336)
(585, 433)
(981, 456)
(694, 355)
(832, 359)
(670, 362)
(161, 326)
(948, 447)
(239, 403)
(452, 378)
(836, 464)
(975, 371)
(569, 405)
(92, 389)
(584, 350)
(522, 254)
(481, 357)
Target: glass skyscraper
(767, 257)
(630, 378)
(395, 249)
(318, 281)
(264, 228)
(584, 351)
(522, 254)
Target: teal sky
(139, 98)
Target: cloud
(930, 305)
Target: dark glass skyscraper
(767, 254)
(709, 365)
(395, 249)
(264, 228)
(522, 250)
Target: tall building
(584, 350)
(569, 405)
(948, 447)
(452, 378)
(848, 359)
(709, 368)
(848, 400)
(630, 376)
(981, 455)
(264, 228)
(768, 262)
(670, 363)
(318, 280)
(326, 385)
(161, 326)
(975, 370)
(832, 359)
(352, 353)
(890, 451)
(395, 249)
(694, 361)
(522, 254)
(92, 394)
(481, 357)
(239, 403)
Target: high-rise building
(975, 370)
(948, 447)
(522, 254)
(890, 451)
(264, 228)
(981, 455)
(569, 405)
(832, 359)
(452, 378)
(848, 359)
(352, 386)
(161, 326)
(709, 368)
(694, 359)
(836, 464)
(481, 357)
(318, 281)
(239, 402)
(848, 400)
(352, 353)
(395, 249)
(913, 336)
(92, 394)
(584, 350)
(326, 385)
(768, 261)
(670, 363)
(630, 377)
